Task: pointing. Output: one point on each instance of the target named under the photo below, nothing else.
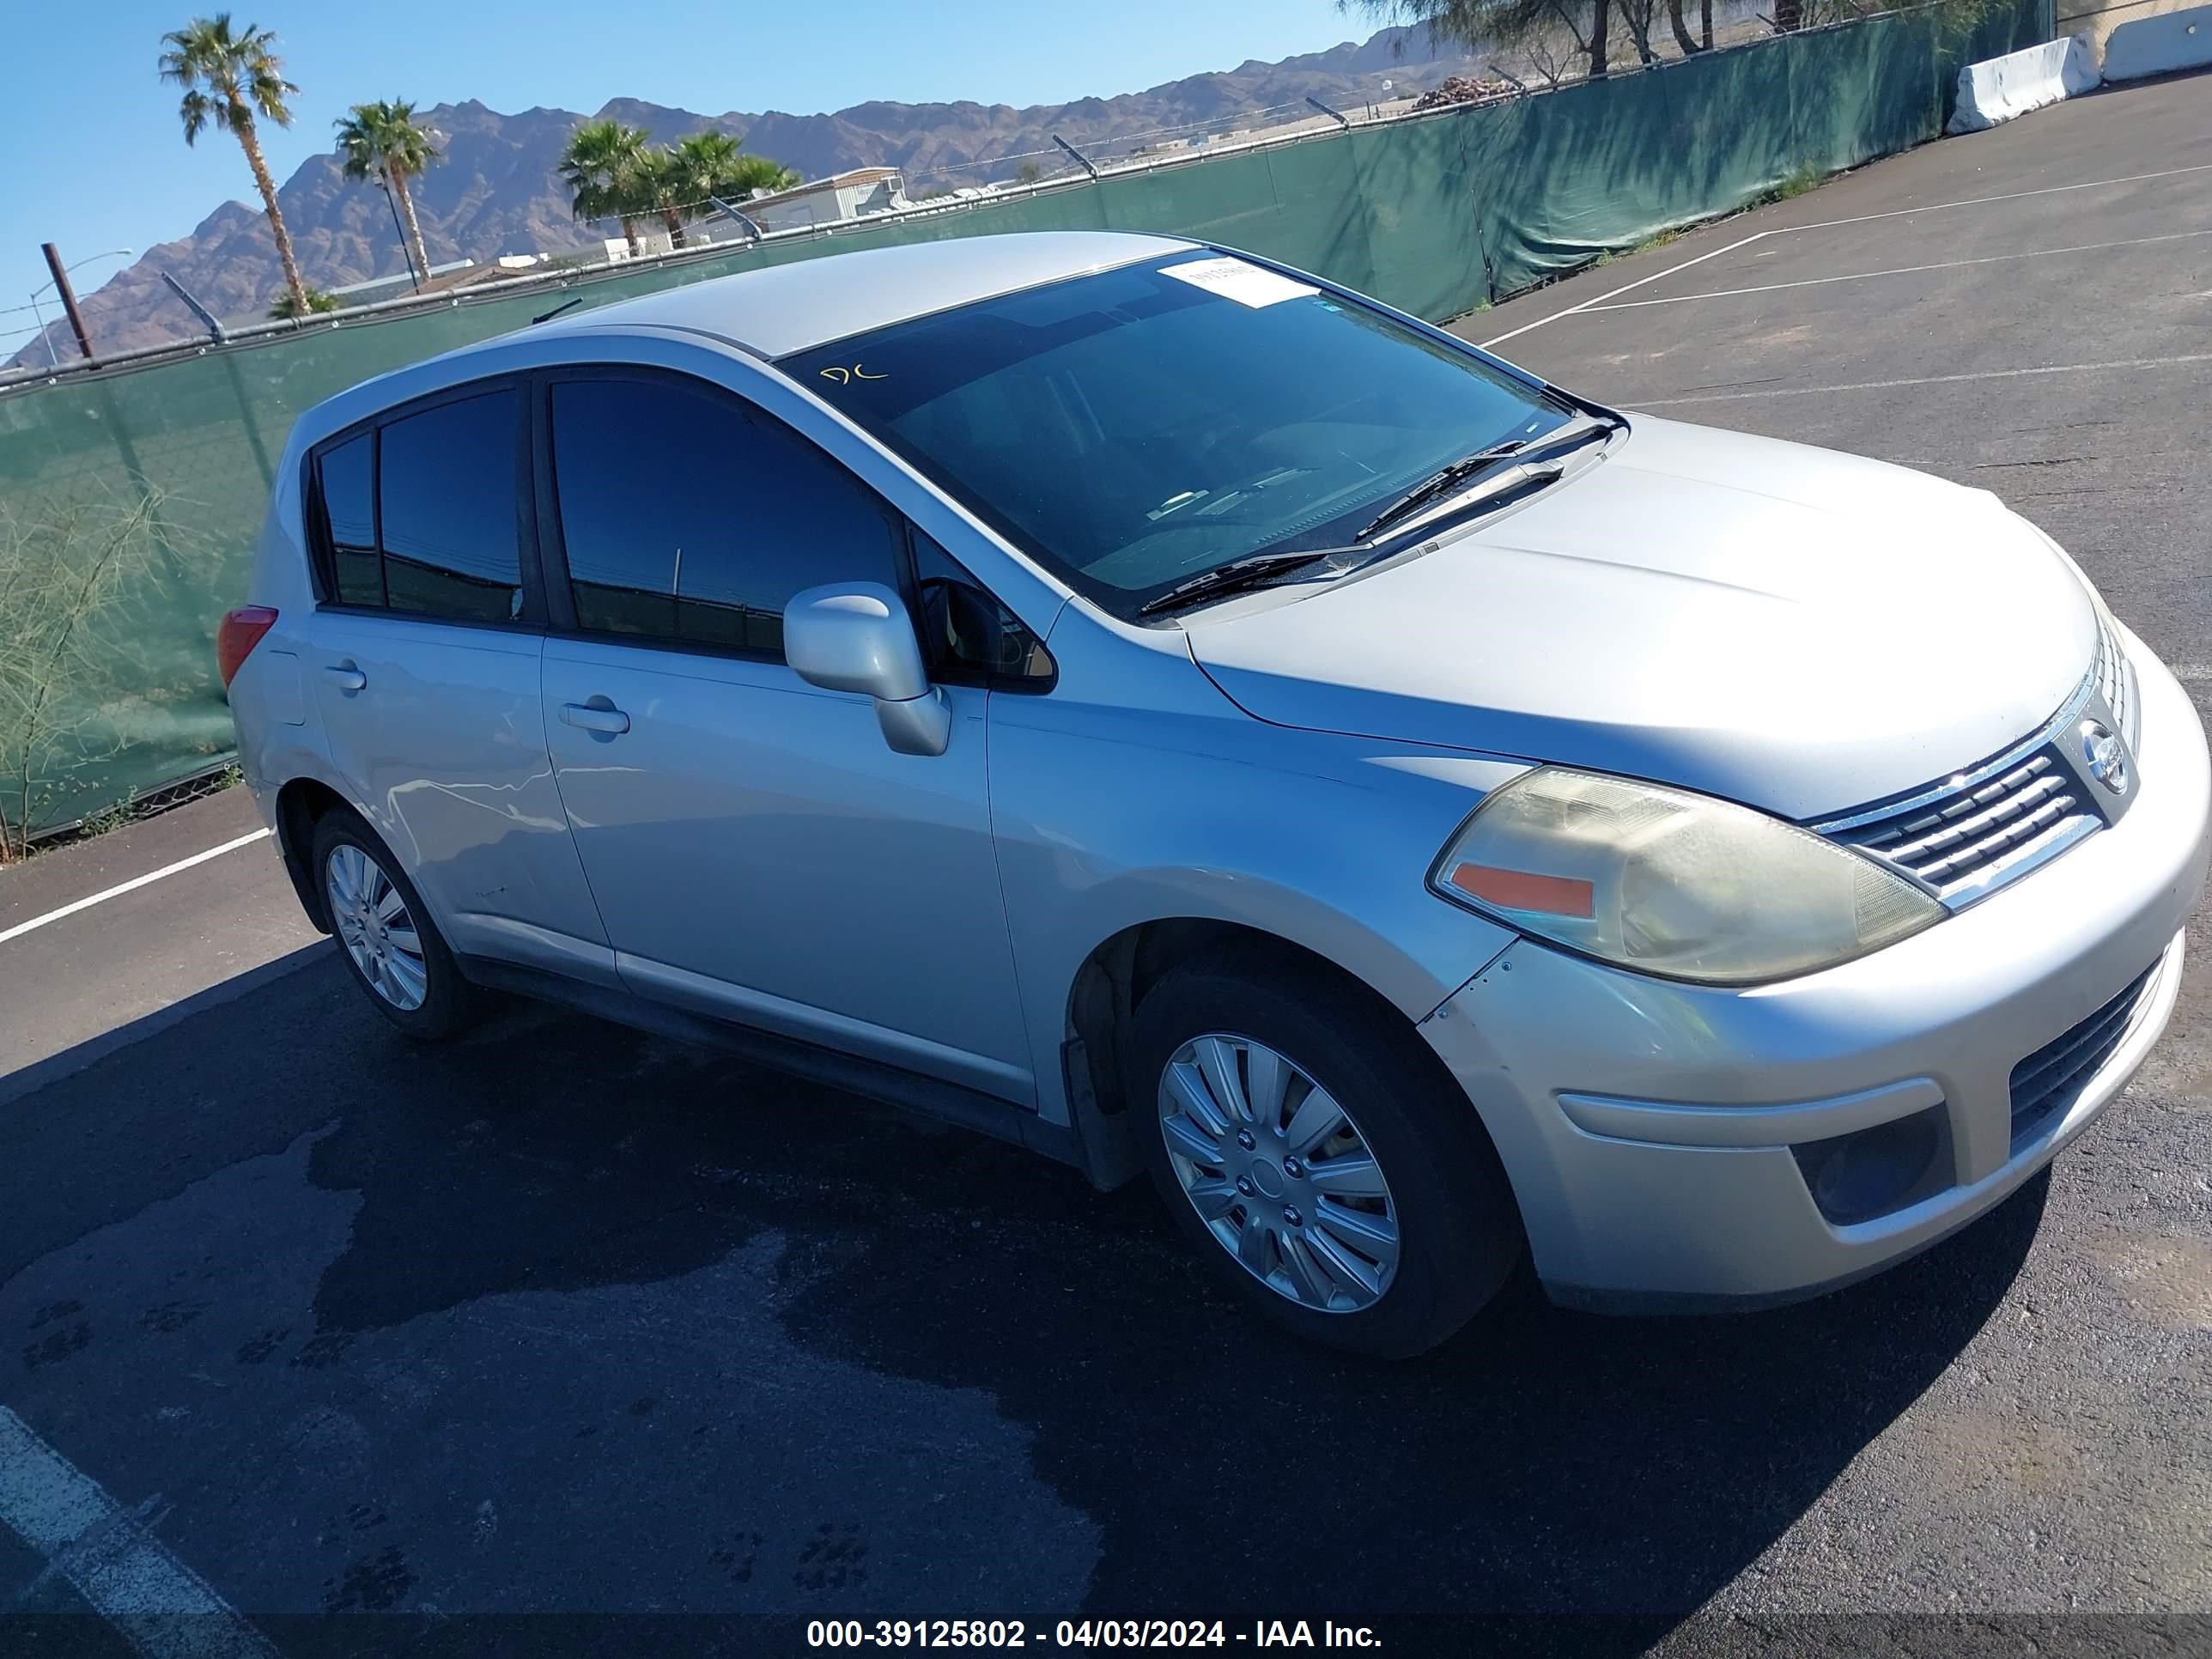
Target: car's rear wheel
(384, 934)
(1321, 1160)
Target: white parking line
(1625, 287)
(158, 1604)
(1596, 300)
(1899, 270)
(1925, 380)
(131, 885)
(2008, 195)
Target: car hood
(1801, 631)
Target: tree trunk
(1683, 37)
(1597, 64)
(674, 221)
(1637, 13)
(250, 141)
(1789, 16)
(1705, 24)
(414, 230)
(629, 233)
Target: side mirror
(858, 637)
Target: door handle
(598, 715)
(346, 676)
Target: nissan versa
(1167, 710)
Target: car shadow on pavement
(1542, 1462)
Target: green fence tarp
(160, 473)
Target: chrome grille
(1978, 824)
(2053, 1077)
(2112, 681)
(1963, 837)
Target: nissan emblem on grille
(1972, 833)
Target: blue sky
(109, 167)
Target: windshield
(1133, 429)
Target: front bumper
(1647, 1125)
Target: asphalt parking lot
(566, 1319)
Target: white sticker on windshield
(1248, 285)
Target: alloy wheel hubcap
(375, 925)
(1279, 1173)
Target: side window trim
(321, 555)
(549, 554)
(553, 552)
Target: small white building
(649, 242)
(850, 195)
(390, 287)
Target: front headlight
(1667, 883)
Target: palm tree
(658, 187)
(381, 141)
(600, 168)
(315, 300)
(711, 164)
(230, 78)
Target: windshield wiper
(1238, 573)
(1532, 460)
(1573, 435)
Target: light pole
(68, 297)
(399, 230)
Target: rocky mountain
(496, 192)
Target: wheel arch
(1112, 979)
(302, 803)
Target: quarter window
(966, 631)
(348, 479)
(687, 517)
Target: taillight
(241, 632)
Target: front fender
(1105, 821)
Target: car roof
(771, 310)
(789, 307)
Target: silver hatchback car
(1168, 711)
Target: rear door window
(690, 518)
(447, 516)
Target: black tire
(449, 1003)
(1459, 1228)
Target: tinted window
(349, 480)
(686, 517)
(447, 489)
(964, 627)
(1135, 426)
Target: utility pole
(68, 298)
(407, 254)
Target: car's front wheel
(386, 934)
(1318, 1156)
